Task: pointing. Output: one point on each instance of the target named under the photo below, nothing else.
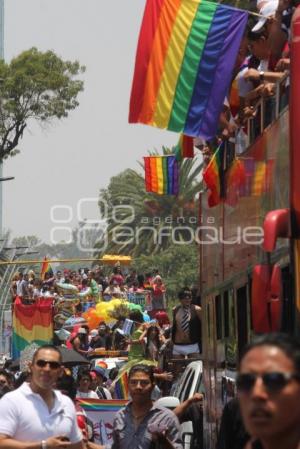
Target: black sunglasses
(274, 381)
(43, 363)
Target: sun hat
(100, 371)
(268, 10)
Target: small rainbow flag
(100, 405)
(185, 58)
(184, 148)
(212, 177)
(161, 175)
(235, 181)
(46, 268)
(121, 387)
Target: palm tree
(141, 223)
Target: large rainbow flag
(31, 323)
(184, 63)
(161, 175)
(46, 268)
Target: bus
(250, 247)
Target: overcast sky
(74, 158)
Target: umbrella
(71, 357)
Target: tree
(34, 85)
(141, 223)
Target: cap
(100, 371)
(94, 333)
(82, 330)
(268, 10)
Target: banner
(102, 413)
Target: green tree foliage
(35, 85)
(141, 223)
(178, 266)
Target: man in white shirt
(35, 416)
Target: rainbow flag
(184, 148)
(235, 181)
(46, 268)
(121, 387)
(161, 175)
(184, 63)
(100, 405)
(31, 323)
(212, 177)
(259, 178)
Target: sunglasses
(273, 382)
(43, 363)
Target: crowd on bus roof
(263, 62)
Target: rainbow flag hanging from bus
(184, 62)
(161, 175)
(184, 148)
(212, 178)
(32, 323)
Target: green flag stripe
(189, 69)
(165, 172)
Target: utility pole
(1, 57)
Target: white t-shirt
(90, 394)
(25, 416)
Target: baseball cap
(268, 10)
(81, 330)
(94, 333)
(100, 371)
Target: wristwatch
(261, 75)
(44, 444)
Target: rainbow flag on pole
(161, 175)
(32, 323)
(46, 268)
(121, 387)
(212, 177)
(184, 63)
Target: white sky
(74, 158)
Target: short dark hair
(67, 385)
(51, 347)
(286, 343)
(146, 369)
(84, 373)
(185, 291)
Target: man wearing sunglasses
(268, 386)
(35, 416)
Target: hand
(282, 65)
(166, 376)
(58, 442)
(251, 75)
(268, 90)
(198, 397)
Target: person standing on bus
(186, 327)
(268, 386)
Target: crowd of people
(262, 64)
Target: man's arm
(181, 409)
(58, 442)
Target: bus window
(242, 318)
(218, 302)
(226, 314)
